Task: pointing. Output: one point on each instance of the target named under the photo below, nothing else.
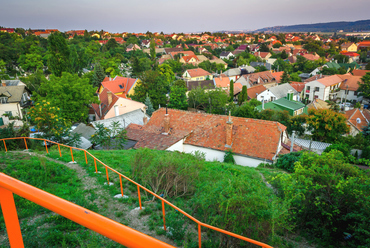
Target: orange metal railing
(96, 222)
(199, 223)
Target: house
(348, 46)
(222, 82)
(181, 54)
(311, 57)
(299, 87)
(120, 86)
(252, 141)
(277, 75)
(259, 78)
(112, 105)
(353, 57)
(197, 74)
(192, 59)
(14, 97)
(145, 43)
(226, 55)
(285, 104)
(233, 74)
(259, 64)
(263, 55)
(132, 47)
(349, 88)
(356, 120)
(218, 61)
(277, 92)
(324, 88)
(360, 73)
(205, 84)
(169, 50)
(363, 45)
(254, 91)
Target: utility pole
(292, 142)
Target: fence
(199, 223)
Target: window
(308, 88)
(3, 100)
(355, 93)
(347, 91)
(317, 89)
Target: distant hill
(363, 25)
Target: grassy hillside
(231, 197)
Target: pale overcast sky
(176, 16)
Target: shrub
(329, 198)
(344, 148)
(228, 158)
(286, 161)
(169, 173)
(366, 152)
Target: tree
(3, 74)
(364, 88)
(152, 50)
(153, 84)
(243, 96)
(326, 125)
(166, 71)
(367, 67)
(58, 54)
(71, 94)
(111, 137)
(149, 106)
(231, 91)
(31, 61)
(285, 78)
(98, 76)
(178, 98)
(34, 81)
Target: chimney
(229, 132)
(109, 94)
(166, 124)
(145, 119)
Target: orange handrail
(200, 224)
(96, 222)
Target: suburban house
(357, 119)
(112, 105)
(265, 77)
(259, 64)
(197, 74)
(352, 56)
(360, 73)
(226, 55)
(181, 54)
(349, 47)
(324, 88)
(119, 86)
(233, 74)
(222, 82)
(191, 59)
(218, 61)
(349, 88)
(205, 84)
(277, 92)
(263, 55)
(299, 87)
(252, 141)
(14, 96)
(285, 104)
(132, 47)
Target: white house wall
(266, 95)
(179, 146)
(323, 93)
(12, 107)
(350, 96)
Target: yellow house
(349, 47)
(197, 74)
(119, 86)
(192, 59)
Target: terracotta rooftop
(254, 91)
(277, 75)
(298, 86)
(250, 137)
(351, 81)
(354, 114)
(198, 72)
(360, 72)
(105, 106)
(222, 82)
(330, 80)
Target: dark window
(317, 89)
(355, 93)
(308, 87)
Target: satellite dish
(358, 120)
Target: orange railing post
(106, 170)
(138, 192)
(11, 218)
(60, 153)
(164, 216)
(46, 146)
(199, 236)
(120, 182)
(85, 157)
(96, 168)
(6, 150)
(72, 155)
(25, 142)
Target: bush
(169, 173)
(328, 198)
(344, 148)
(286, 162)
(366, 152)
(228, 158)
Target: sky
(176, 16)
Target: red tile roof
(188, 58)
(298, 86)
(198, 72)
(105, 106)
(311, 57)
(360, 73)
(350, 81)
(354, 114)
(222, 82)
(119, 84)
(277, 75)
(330, 80)
(254, 91)
(250, 137)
